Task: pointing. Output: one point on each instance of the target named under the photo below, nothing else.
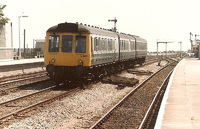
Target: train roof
(139, 39)
(80, 28)
(126, 36)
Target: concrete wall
(6, 53)
(6, 47)
(199, 50)
(40, 44)
(2, 35)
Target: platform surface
(180, 108)
(21, 61)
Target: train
(76, 51)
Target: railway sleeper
(120, 81)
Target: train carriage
(127, 46)
(141, 49)
(73, 51)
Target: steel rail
(39, 103)
(22, 79)
(129, 94)
(13, 77)
(154, 100)
(22, 97)
(5, 90)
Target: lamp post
(180, 48)
(19, 35)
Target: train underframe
(79, 74)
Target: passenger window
(67, 41)
(80, 44)
(92, 44)
(113, 44)
(95, 44)
(109, 44)
(54, 43)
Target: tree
(3, 19)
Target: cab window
(80, 44)
(67, 41)
(54, 43)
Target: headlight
(80, 62)
(53, 61)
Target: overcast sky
(166, 20)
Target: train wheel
(122, 66)
(90, 76)
(67, 84)
(140, 63)
(52, 76)
(104, 72)
(109, 70)
(119, 68)
(112, 70)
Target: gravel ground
(25, 91)
(79, 109)
(20, 92)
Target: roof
(40, 40)
(80, 28)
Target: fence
(28, 52)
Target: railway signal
(115, 21)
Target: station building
(40, 43)
(6, 43)
(196, 49)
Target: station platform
(14, 67)
(180, 108)
(21, 61)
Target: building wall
(199, 51)
(2, 36)
(6, 47)
(40, 44)
(6, 53)
(8, 36)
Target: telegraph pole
(191, 40)
(115, 21)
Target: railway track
(13, 83)
(10, 80)
(131, 110)
(20, 76)
(20, 107)
(150, 118)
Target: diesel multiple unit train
(75, 51)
